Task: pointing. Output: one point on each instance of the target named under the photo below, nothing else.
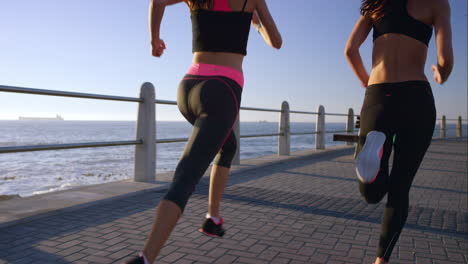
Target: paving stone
(303, 211)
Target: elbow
(350, 51)
(447, 62)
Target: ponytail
(375, 9)
(204, 4)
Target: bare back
(398, 58)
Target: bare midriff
(397, 58)
(231, 60)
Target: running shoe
(135, 260)
(368, 160)
(141, 259)
(210, 228)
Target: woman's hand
(158, 47)
(437, 75)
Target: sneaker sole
(209, 234)
(368, 160)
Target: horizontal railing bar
(171, 140)
(261, 135)
(175, 140)
(166, 102)
(334, 114)
(12, 89)
(304, 133)
(260, 109)
(303, 112)
(337, 131)
(68, 146)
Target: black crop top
(399, 21)
(219, 31)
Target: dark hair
(205, 4)
(375, 9)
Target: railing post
(284, 142)
(442, 128)
(145, 154)
(236, 131)
(320, 129)
(459, 127)
(350, 124)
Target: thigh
(411, 143)
(215, 107)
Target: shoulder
(441, 9)
(441, 5)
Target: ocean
(32, 173)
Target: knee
(179, 197)
(372, 199)
(399, 204)
(230, 148)
(372, 196)
(181, 190)
(227, 154)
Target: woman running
(209, 98)
(398, 110)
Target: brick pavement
(304, 211)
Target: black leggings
(405, 112)
(211, 104)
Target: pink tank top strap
(221, 5)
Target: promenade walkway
(305, 210)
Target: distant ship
(56, 118)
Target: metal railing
(444, 129)
(145, 142)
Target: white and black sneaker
(213, 229)
(368, 159)
(141, 259)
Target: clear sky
(103, 47)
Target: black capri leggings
(211, 104)
(405, 112)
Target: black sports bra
(398, 20)
(221, 31)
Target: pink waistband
(217, 70)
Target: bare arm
(443, 35)
(358, 36)
(156, 12)
(266, 26)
